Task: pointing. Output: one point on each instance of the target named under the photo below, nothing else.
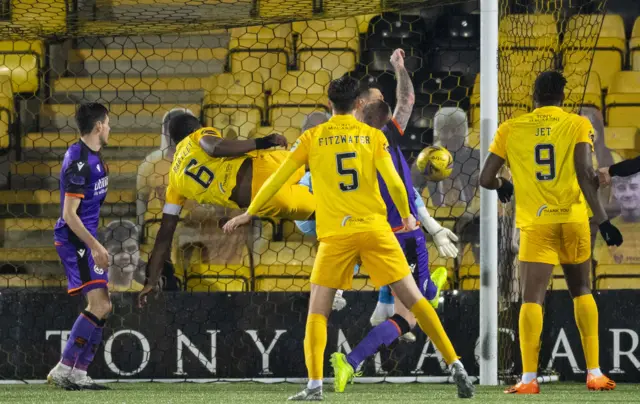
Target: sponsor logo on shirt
(98, 168)
(80, 165)
(101, 183)
(412, 267)
(97, 270)
(81, 252)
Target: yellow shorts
(292, 201)
(379, 251)
(556, 243)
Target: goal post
(489, 20)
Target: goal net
(234, 306)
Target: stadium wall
(207, 337)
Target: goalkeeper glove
(443, 238)
(610, 233)
(505, 191)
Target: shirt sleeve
(499, 144)
(586, 133)
(418, 199)
(274, 183)
(206, 132)
(173, 201)
(301, 147)
(76, 177)
(381, 145)
(396, 187)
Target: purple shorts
(82, 273)
(414, 246)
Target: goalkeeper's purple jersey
(393, 132)
(83, 175)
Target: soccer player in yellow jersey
(223, 172)
(344, 156)
(549, 154)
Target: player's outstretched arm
(490, 180)
(443, 238)
(624, 168)
(588, 181)
(70, 216)
(405, 96)
(217, 147)
(161, 252)
(397, 190)
(266, 192)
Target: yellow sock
(315, 341)
(530, 330)
(429, 322)
(586, 313)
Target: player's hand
(236, 222)
(604, 177)
(445, 240)
(397, 59)
(270, 141)
(610, 234)
(505, 192)
(409, 223)
(142, 296)
(100, 256)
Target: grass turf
(156, 393)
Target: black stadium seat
(445, 89)
(377, 59)
(456, 46)
(408, 30)
(384, 81)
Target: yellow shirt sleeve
(274, 183)
(384, 165)
(300, 149)
(208, 131)
(499, 144)
(586, 133)
(173, 201)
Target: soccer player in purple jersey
(84, 179)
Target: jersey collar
(548, 108)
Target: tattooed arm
(405, 96)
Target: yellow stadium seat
(577, 94)
(291, 133)
(473, 138)
(581, 37)
(622, 138)
(267, 283)
(469, 277)
(299, 94)
(218, 278)
(623, 100)
(23, 61)
(521, 62)
(32, 281)
(363, 22)
(331, 45)
(634, 46)
(264, 49)
(234, 103)
(514, 99)
(617, 277)
(44, 16)
(6, 110)
(533, 31)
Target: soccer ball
(435, 163)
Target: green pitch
(178, 393)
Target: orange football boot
(521, 388)
(600, 383)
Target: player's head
(121, 241)
(92, 118)
(368, 93)
(182, 126)
(626, 190)
(166, 139)
(376, 114)
(314, 119)
(343, 94)
(548, 89)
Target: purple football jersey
(393, 132)
(84, 175)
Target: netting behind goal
(235, 306)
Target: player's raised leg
(578, 249)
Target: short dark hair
(366, 87)
(88, 114)
(376, 114)
(549, 88)
(182, 126)
(343, 93)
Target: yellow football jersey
(196, 175)
(539, 149)
(341, 155)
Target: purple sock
(431, 291)
(79, 338)
(86, 357)
(383, 334)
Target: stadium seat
(578, 95)
(391, 30)
(525, 61)
(634, 46)
(376, 59)
(529, 31)
(516, 102)
(234, 103)
(331, 45)
(622, 138)
(460, 31)
(419, 131)
(363, 22)
(6, 110)
(617, 277)
(33, 281)
(623, 100)
(456, 44)
(445, 89)
(384, 81)
(291, 133)
(23, 60)
(581, 37)
(265, 49)
(218, 278)
(298, 94)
